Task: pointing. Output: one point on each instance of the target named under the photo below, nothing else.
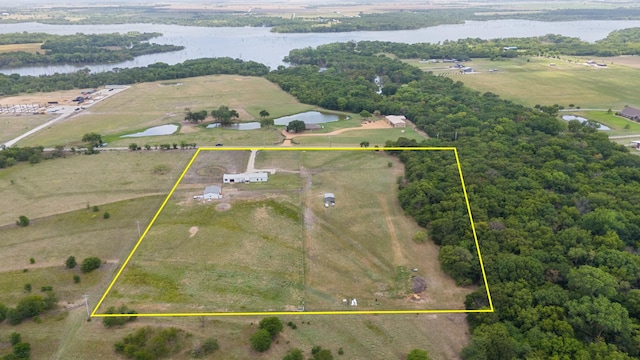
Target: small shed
(329, 199)
(245, 178)
(396, 120)
(212, 192)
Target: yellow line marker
(271, 313)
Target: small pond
(239, 126)
(309, 117)
(581, 119)
(155, 131)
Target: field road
(624, 136)
(65, 112)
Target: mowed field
(274, 246)
(533, 80)
(159, 103)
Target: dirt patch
(193, 231)
(223, 207)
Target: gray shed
(329, 199)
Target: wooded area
(556, 208)
(80, 48)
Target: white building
(212, 192)
(245, 178)
(396, 120)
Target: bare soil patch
(193, 231)
(223, 207)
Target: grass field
(30, 48)
(61, 185)
(274, 246)
(354, 138)
(531, 80)
(12, 126)
(158, 103)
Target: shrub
(27, 287)
(95, 208)
(32, 261)
(272, 324)
(261, 340)
(76, 279)
(15, 338)
(71, 262)
(417, 354)
(46, 288)
(23, 221)
(3, 312)
(294, 354)
(120, 320)
(89, 264)
(209, 346)
(106, 215)
(420, 237)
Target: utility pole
(86, 303)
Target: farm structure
(397, 121)
(630, 113)
(212, 192)
(245, 178)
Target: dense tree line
(80, 48)
(14, 83)
(556, 209)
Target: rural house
(397, 121)
(212, 192)
(245, 177)
(630, 113)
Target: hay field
(274, 246)
(61, 185)
(30, 48)
(532, 80)
(158, 103)
(12, 126)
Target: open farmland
(159, 103)
(275, 246)
(533, 80)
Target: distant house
(467, 70)
(245, 178)
(212, 192)
(396, 121)
(630, 113)
(507, 48)
(636, 145)
(329, 199)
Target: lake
(309, 117)
(155, 131)
(263, 46)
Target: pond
(581, 119)
(239, 126)
(309, 117)
(155, 131)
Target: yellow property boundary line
(356, 312)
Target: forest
(555, 206)
(80, 48)
(15, 84)
(398, 20)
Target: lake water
(581, 119)
(155, 131)
(263, 46)
(239, 126)
(309, 117)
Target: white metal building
(396, 120)
(245, 177)
(212, 192)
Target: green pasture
(532, 80)
(247, 258)
(152, 104)
(353, 138)
(64, 184)
(12, 126)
